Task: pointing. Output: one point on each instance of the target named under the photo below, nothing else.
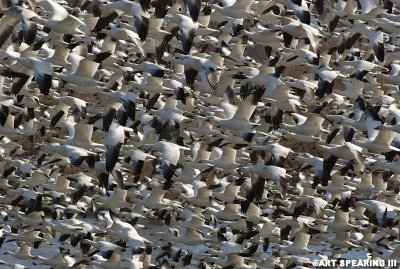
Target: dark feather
(103, 22)
(168, 173)
(331, 136)
(112, 155)
(142, 27)
(328, 166)
(333, 23)
(56, 118)
(152, 101)
(108, 118)
(350, 41)
(190, 75)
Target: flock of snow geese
(198, 134)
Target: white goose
(60, 20)
(340, 223)
(170, 154)
(153, 199)
(380, 144)
(115, 202)
(138, 11)
(241, 119)
(42, 70)
(80, 135)
(113, 142)
(236, 9)
(299, 245)
(84, 74)
(191, 237)
(342, 240)
(14, 15)
(227, 161)
(125, 231)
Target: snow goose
(342, 240)
(241, 119)
(348, 151)
(33, 219)
(317, 202)
(125, 231)
(337, 185)
(301, 138)
(113, 142)
(58, 260)
(229, 212)
(60, 55)
(254, 215)
(340, 223)
(301, 10)
(80, 135)
(42, 71)
(60, 20)
(309, 126)
(278, 151)
(296, 29)
(75, 155)
(197, 222)
(394, 167)
(395, 112)
(270, 262)
(227, 161)
(65, 228)
(102, 246)
(380, 144)
(138, 10)
(384, 212)
(59, 115)
(170, 156)
(375, 37)
(112, 104)
(186, 28)
(23, 252)
(201, 199)
(276, 173)
(201, 153)
(326, 80)
(84, 74)
(7, 123)
(14, 15)
(352, 89)
(216, 103)
(61, 185)
(115, 202)
(172, 115)
(300, 56)
(5, 185)
(154, 198)
(299, 245)
(191, 237)
(197, 64)
(230, 192)
(73, 102)
(28, 237)
(119, 33)
(153, 69)
(137, 159)
(113, 260)
(261, 34)
(235, 9)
